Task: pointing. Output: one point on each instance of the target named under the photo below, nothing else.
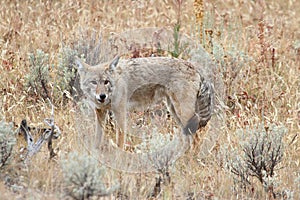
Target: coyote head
(96, 81)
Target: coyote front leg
(120, 118)
(100, 120)
(120, 112)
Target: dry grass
(260, 64)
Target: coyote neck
(100, 116)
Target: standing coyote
(124, 84)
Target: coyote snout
(123, 85)
(101, 98)
(102, 92)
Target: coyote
(126, 84)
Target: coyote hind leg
(184, 113)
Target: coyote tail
(204, 108)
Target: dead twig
(48, 134)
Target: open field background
(256, 44)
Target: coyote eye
(106, 82)
(94, 82)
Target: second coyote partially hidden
(124, 84)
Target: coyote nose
(102, 96)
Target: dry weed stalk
(199, 14)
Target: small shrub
(297, 180)
(7, 142)
(260, 153)
(83, 177)
(153, 142)
(38, 78)
(178, 48)
(176, 51)
(67, 82)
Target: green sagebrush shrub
(258, 155)
(67, 83)
(38, 79)
(7, 142)
(84, 177)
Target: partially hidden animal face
(96, 82)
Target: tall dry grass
(255, 43)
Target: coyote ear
(81, 66)
(114, 63)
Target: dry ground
(259, 43)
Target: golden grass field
(260, 67)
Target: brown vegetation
(256, 44)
